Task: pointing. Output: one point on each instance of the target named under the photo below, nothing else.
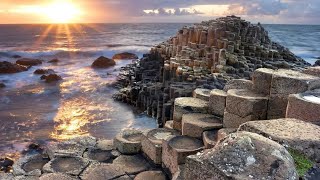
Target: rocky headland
(230, 104)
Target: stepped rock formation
(206, 55)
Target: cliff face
(205, 55)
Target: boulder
(175, 151)
(152, 143)
(195, 124)
(51, 78)
(29, 62)
(125, 55)
(242, 155)
(132, 164)
(2, 85)
(292, 133)
(57, 176)
(203, 94)
(217, 102)
(6, 164)
(67, 165)
(152, 175)
(238, 84)
(187, 105)
(30, 165)
(53, 61)
(103, 62)
(43, 71)
(8, 68)
(128, 141)
(97, 171)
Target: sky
(136, 11)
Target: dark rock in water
(2, 85)
(317, 63)
(103, 62)
(7, 68)
(33, 148)
(29, 62)
(125, 55)
(44, 71)
(51, 78)
(16, 56)
(6, 164)
(53, 61)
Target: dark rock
(103, 62)
(29, 62)
(51, 78)
(2, 85)
(16, 56)
(125, 55)
(43, 71)
(53, 61)
(7, 68)
(317, 63)
(6, 164)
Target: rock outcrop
(43, 71)
(103, 62)
(51, 78)
(29, 62)
(8, 68)
(125, 55)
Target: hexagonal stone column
(152, 143)
(152, 175)
(68, 165)
(304, 106)
(128, 141)
(217, 102)
(175, 151)
(238, 84)
(284, 83)
(242, 106)
(132, 164)
(203, 94)
(99, 171)
(195, 124)
(262, 79)
(29, 165)
(209, 138)
(187, 105)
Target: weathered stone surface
(30, 165)
(314, 71)
(57, 176)
(299, 135)
(152, 143)
(125, 55)
(243, 103)
(234, 121)
(26, 178)
(203, 94)
(217, 102)
(103, 62)
(187, 105)
(261, 79)
(29, 62)
(210, 138)
(242, 155)
(305, 106)
(98, 171)
(72, 149)
(128, 141)
(87, 141)
(95, 154)
(132, 164)
(169, 125)
(105, 144)
(175, 151)
(284, 83)
(68, 165)
(238, 84)
(6, 176)
(225, 132)
(152, 175)
(195, 124)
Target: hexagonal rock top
(187, 105)
(299, 135)
(132, 164)
(97, 171)
(57, 176)
(175, 151)
(194, 125)
(65, 149)
(30, 165)
(203, 94)
(152, 175)
(128, 141)
(242, 155)
(152, 143)
(68, 165)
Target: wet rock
(68, 165)
(57, 176)
(152, 143)
(43, 71)
(6, 164)
(8, 68)
(98, 171)
(71, 149)
(2, 85)
(51, 78)
(242, 155)
(132, 164)
(103, 62)
(30, 165)
(128, 141)
(53, 61)
(16, 56)
(125, 55)
(154, 175)
(86, 141)
(299, 135)
(29, 62)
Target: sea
(32, 111)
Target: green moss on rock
(303, 164)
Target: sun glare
(62, 12)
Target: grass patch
(303, 164)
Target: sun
(62, 12)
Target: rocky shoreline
(230, 104)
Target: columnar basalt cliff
(206, 55)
